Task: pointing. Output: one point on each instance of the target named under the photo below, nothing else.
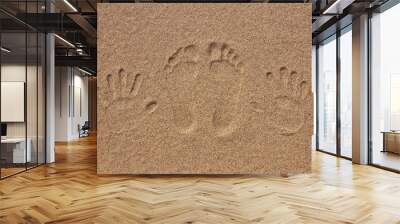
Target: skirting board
(204, 89)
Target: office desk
(391, 141)
(13, 150)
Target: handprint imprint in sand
(182, 72)
(126, 106)
(285, 106)
(227, 73)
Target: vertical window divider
(26, 86)
(317, 97)
(60, 96)
(45, 89)
(37, 88)
(338, 74)
(369, 91)
(73, 91)
(69, 92)
(0, 96)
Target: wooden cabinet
(391, 142)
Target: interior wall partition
(22, 88)
(334, 93)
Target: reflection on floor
(387, 159)
(69, 191)
(346, 152)
(11, 169)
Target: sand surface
(204, 89)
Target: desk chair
(84, 130)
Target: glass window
(327, 95)
(385, 89)
(314, 76)
(346, 93)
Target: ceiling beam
(78, 61)
(84, 24)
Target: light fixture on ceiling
(84, 71)
(64, 40)
(70, 5)
(5, 50)
(337, 7)
(80, 51)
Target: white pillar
(360, 90)
(50, 91)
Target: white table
(19, 155)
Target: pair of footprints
(224, 79)
(215, 78)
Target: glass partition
(22, 101)
(14, 153)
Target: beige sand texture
(204, 89)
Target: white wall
(16, 73)
(62, 82)
(70, 83)
(79, 117)
(33, 127)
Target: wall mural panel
(204, 89)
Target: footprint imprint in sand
(227, 72)
(182, 72)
